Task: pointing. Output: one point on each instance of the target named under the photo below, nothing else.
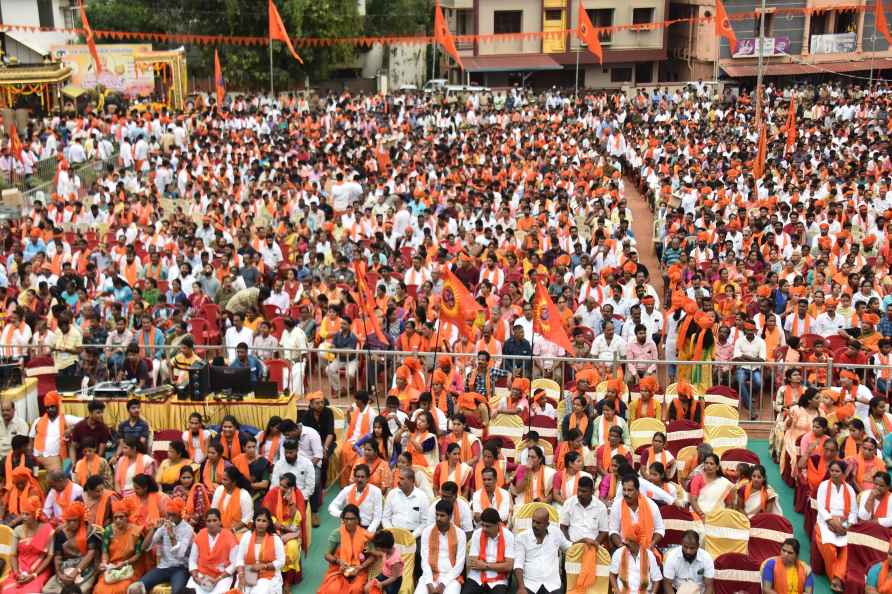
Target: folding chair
(767, 534)
(683, 433)
(641, 431)
(736, 573)
(405, 544)
(726, 531)
(523, 516)
(573, 566)
(509, 425)
(726, 437)
(720, 414)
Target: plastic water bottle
(84, 383)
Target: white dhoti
(453, 587)
(221, 587)
(266, 586)
(296, 381)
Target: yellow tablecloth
(174, 414)
(25, 398)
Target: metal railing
(341, 373)
(88, 172)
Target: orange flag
(880, 19)
(15, 143)
(365, 298)
(791, 126)
(723, 25)
(277, 30)
(442, 35)
(457, 304)
(586, 33)
(88, 35)
(218, 81)
(547, 319)
(759, 163)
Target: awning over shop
(788, 69)
(511, 63)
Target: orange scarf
(352, 499)
(42, 427)
(651, 409)
(651, 457)
(582, 423)
(472, 382)
(878, 433)
(351, 547)
(457, 476)
(692, 411)
(884, 584)
(478, 474)
(780, 576)
(211, 482)
(267, 553)
(536, 484)
(364, 428)
(284, 508)
(486, 503)
(645, 522)
(792, 394)
(847, 499)
(142, 342)
(121, 472)
(8, 468)
(202, 443)
(861, 468)
(763, 492)
(643, 568)
(236, 447)
(500, 555)
(434, 548)
(881, 508)
(232, 515)
(84, 469)
(607, 454)
(211, 560)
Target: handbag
(118, 574)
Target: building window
(621, 75)
(818, 25)
(769, 23)
(602, 17)
(45, 13)
(554, 14)
(845, 22)
(641, 16)
(644, 72)
(507, 21)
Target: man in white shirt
(490, 495)
(461, 516)
(626, 567)
(828, 323)
(406, 506)
(363, 495)
(872, 501)
(749, 348)
(633, 500)
(583, 517)
(536, 551)
(441, 574)
(235, 334)
(689, 566)
(62, 492)
(483, 566)
(295, 463)
(608, 342)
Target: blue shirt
(139, 430)
(33, 248)
(873, 574)
(885, 326)
(252, 363)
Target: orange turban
(31, 505)
(615, 385)
(649, 383)
(121, 506)
(52, 399)
(704, 321)
(35, 233)
(403, 373)
(521, 384)
(831, 302)
(444, 362)
(678, 299)
(22, 472)
(764, 291)
(870, 318)
(563, 260)
(685, 389)
(630, 267)
(76, 511)
(315, 396)
(412, 363)
(845, 373)
(469, 400)
(589, 376)
(439, 377)
(176, 506)
(703, 236)
(869, 241)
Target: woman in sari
(710, 489)
(212, 558)
(269, 440)
(288, 507)
(261, 557)
(31, 552)
(378, 468)
(797, 424)
(489, 458)
(787, 397)
(566, 481)
(76, 551)
(656, 473)
(212, 468)
(380, 435)
(756, 496)
(147, 504)
(233, 499)
(195, 495)
(658, 452)
(420, 443)
(534, 481)
(121, 548)
(699, 343)
(837, 510)
(453, 469)
(97, 502)
(168, 475)
(861, 467)
(348, 563)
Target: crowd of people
(244, 234)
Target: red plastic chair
(767, 534)
(736, 574)
(279, 372)
(162, 285)
(278, 324)
(836, 342)
(211, 312)
(161, 443)
(202, 331)
(271, 311)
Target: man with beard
(688, 568)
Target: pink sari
(30, 552)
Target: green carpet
(315, 565)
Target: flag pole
(272, 91)
(368, 351)
(430, 381)
(759, 72)
(576, 88)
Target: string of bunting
(216, 40)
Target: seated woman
(579, 419)
(566, 480)
(121, 549)
(710, 490)
(756, 496)
(420, 443)
(31, 558)
(23, 486)
(656, 474)
(646, 406)
(609, 420)
(147, 504)
(534, 481)
(490, 457)
(613, 446)
(195, 496)
(459, 433)
(168, 475)
(212, 468)
(381, 434)
(862, 466)
(837, 510)
(213, 557)
(261, 557)
(97, 502)
(288, 507)
(130, 464)
(91, 464)
(658, 452)
(453, 469)
(233, 499)
(76, 552)
(348, 564)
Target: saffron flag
(277, 30)
(218, 80)
(759, 163)
(15, 143)
(791, 126)
(547, 321)
(723, 25)
(586, 33)
(457, 304)
(880, 19)
(442, 35)
(88, 35)
(365, 298)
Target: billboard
(771, 46)
(833, 43)
(118, 71)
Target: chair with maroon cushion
(683, 433)
(475, 426)
(43, 369)
(279, 371)
(807, 341)
(640, 456)
(836, 343)
(546, 427)
(722, 395)
(161, 443)
(731, 458)
(767, 533)
(736, 574)
(677, 521)
(868, 544)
